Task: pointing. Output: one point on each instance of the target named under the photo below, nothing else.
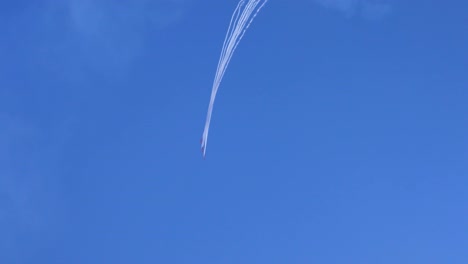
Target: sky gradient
(339, 133)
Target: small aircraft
(202, 148)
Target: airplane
(202, 148)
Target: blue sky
(339, 133)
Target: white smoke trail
(236, 30)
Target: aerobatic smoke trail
(241, 19)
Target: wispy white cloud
(93, 18)
(111, 35)
(101, 36)
(371, 9)
(118, 30)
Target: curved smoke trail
(241, 19)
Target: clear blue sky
(339, 134)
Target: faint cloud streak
(89, 36)
(113, 33)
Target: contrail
(241, 19)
